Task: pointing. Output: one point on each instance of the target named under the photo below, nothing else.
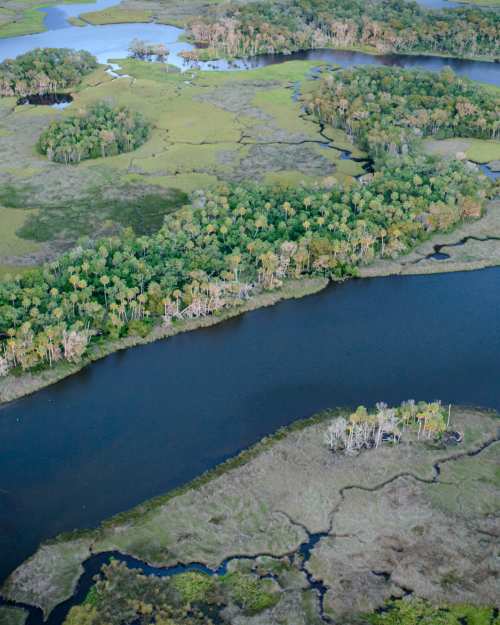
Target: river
(156, 416)
(141, 422)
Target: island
(337, 517)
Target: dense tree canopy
(235, 241)
(241, 30)
(224, 246)
(44, 70)
(100, 131)
(387, 110)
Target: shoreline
(358, 49)
(107, 535)
(13, 388)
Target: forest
(102, 130)
(265, 27)
(388, 110)
(215, 252)
(238, 240)
(44, 70)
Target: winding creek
(156, 416)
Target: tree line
(388, 110)
(101, 130)
(225, 246)
(44, 70)
(269, 27)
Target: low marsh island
(281, 531)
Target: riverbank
(472, 246)
(249, 511)
(15, 387)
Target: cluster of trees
(212, 254)
(44, 70)
(123, 595)
(243, 30)
(143, 51)
(102, 130)
(364, 430)
(387, 110)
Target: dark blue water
(146, 420)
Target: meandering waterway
(144, 421)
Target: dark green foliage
(227, 239)
(194, 587)
(387, 25)
(141, 208)
(251, 594)
(127, 596)
(100, 131)
(14, 197)
(419, 612)
(44, 70)
(387, 110)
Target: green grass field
(22, 17)
(207, 128)
(116, 15)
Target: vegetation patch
(418, 612)
(251, 594)
(44, 70)
(115, 15)
(391, 25)
(98, 132)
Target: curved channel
(156, 416)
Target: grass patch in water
(115, 15)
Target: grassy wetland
(316, 211)
(287, 519)
(156, 201)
